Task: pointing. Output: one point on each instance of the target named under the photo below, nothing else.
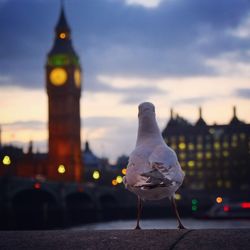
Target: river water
(166, 224)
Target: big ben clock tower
(63, 83)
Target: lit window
(217, 154)
(225, 153)
(181, 138)
(234, 144)
(199, 146)
(199, 155)
(234, 137)
(182, 146)
(124, 171)
(183, 163)
(173, 146)
(228, 184)
(225, 144)
(242, 136)
(191, 173)
(208, 155)
(182, 156)
(219, 183)
(199, 164)
(200, 174)
(191, 164)
(211, 131)
(191, 146)
(217, 145)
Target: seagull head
(146, 108)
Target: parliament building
(214, 157)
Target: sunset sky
(175, 53)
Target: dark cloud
(243, 92)
(113, 38)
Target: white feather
(153, 170)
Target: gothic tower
(63, 83)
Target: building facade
(214, 157)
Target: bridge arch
(35, 209)
(109, 206)
(81, 208)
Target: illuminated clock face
(58, 76)
(77, 77)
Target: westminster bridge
(27, 203)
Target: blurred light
(124, 171)
(182, 146)
(61, 169)
(114, 182)
(194, 202)
(194, 208)
(96, 175)
(217, 145)
(177, 197)
(80, 189)
(194, 205)
(119, 179)
(226, 208)
(37, 185)
(219, 199)
(191, 164)
(62, 35)
(6, 160)
(245, 204)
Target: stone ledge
(207, 239)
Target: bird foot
(181, 227)
(137, 227)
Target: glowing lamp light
(219, 200)
(119, 179)
(62, 35)
(6, 160)
(114, 182)
(245, 204)
(226, 208)
(177, 197)
(96, 175)
(37, 185)
(182, 146)
(124, 171)
(194, 205)
(61, 169)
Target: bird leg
(174, 206)
(139, 210)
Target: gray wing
(165, 168)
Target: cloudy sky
(175, 53)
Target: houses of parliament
(214, 157)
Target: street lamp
(6, 161)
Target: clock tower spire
(63, 84)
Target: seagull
(153, 170)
